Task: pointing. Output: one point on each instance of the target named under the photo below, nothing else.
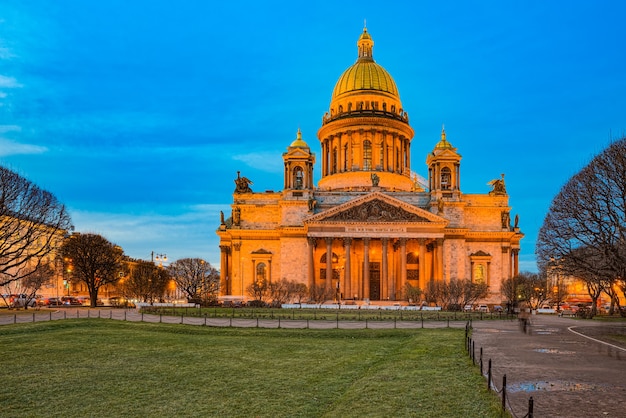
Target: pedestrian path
(567, 365)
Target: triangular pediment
(297, 153)
(261, 251)
(376, 207)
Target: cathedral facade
(370, 227)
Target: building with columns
(370, 226)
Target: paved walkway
(571, 368)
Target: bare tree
(280, 291)
(508, 289)
(145, 281)
(92, 260)
(32, 223)
(196, 278)
(258, 289)
(28, 286)
(532, 289)
(300, 292)
(585, 228)
(412, 293)
(471, 292)
(320, 294)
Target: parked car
(498, 308)
(121, 302)
(483, 308)
(18, 300)
(467, 308)
(70, 301)
(49, 302)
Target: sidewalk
(567, 374)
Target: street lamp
(160, 258)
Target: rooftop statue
(242, 184)
(497, 186)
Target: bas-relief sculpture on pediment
(375, 211)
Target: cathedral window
(367, 155)
(334, 160)
(446, 178)
(261, 271)
(345, 157)
(479, 273)
(298, 178)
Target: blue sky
(138, 114)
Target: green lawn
(100, 368)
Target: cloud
(10, 147)
(191, 233)
(9, 82)
(268, 161)
(5, 53)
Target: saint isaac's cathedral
(369, 227)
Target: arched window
(261, 271)
(412, 258)
(367, 155)
(298, 178)
(335, 258)
(446, 178)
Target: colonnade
(363, 262)
(365, 151)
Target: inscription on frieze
(376, 211)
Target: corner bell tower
(299, 162)
(444, 170)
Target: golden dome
(299, 142)
(444, 144)
(365, 74)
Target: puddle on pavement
(551, 386)
(553, 351)
(546, 331)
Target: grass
(99, 367)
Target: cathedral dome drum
(365, 135)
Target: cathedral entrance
(375, 281)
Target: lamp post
(160, 258)
(338, 295)
(242, 261)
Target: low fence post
(481, 361)
(530, 407)
(504, 392)
(489, 375)
(473, 352)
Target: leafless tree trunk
(585, 228)
(93, 260)
(196, 278)
(32, 224)
(145, 281)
